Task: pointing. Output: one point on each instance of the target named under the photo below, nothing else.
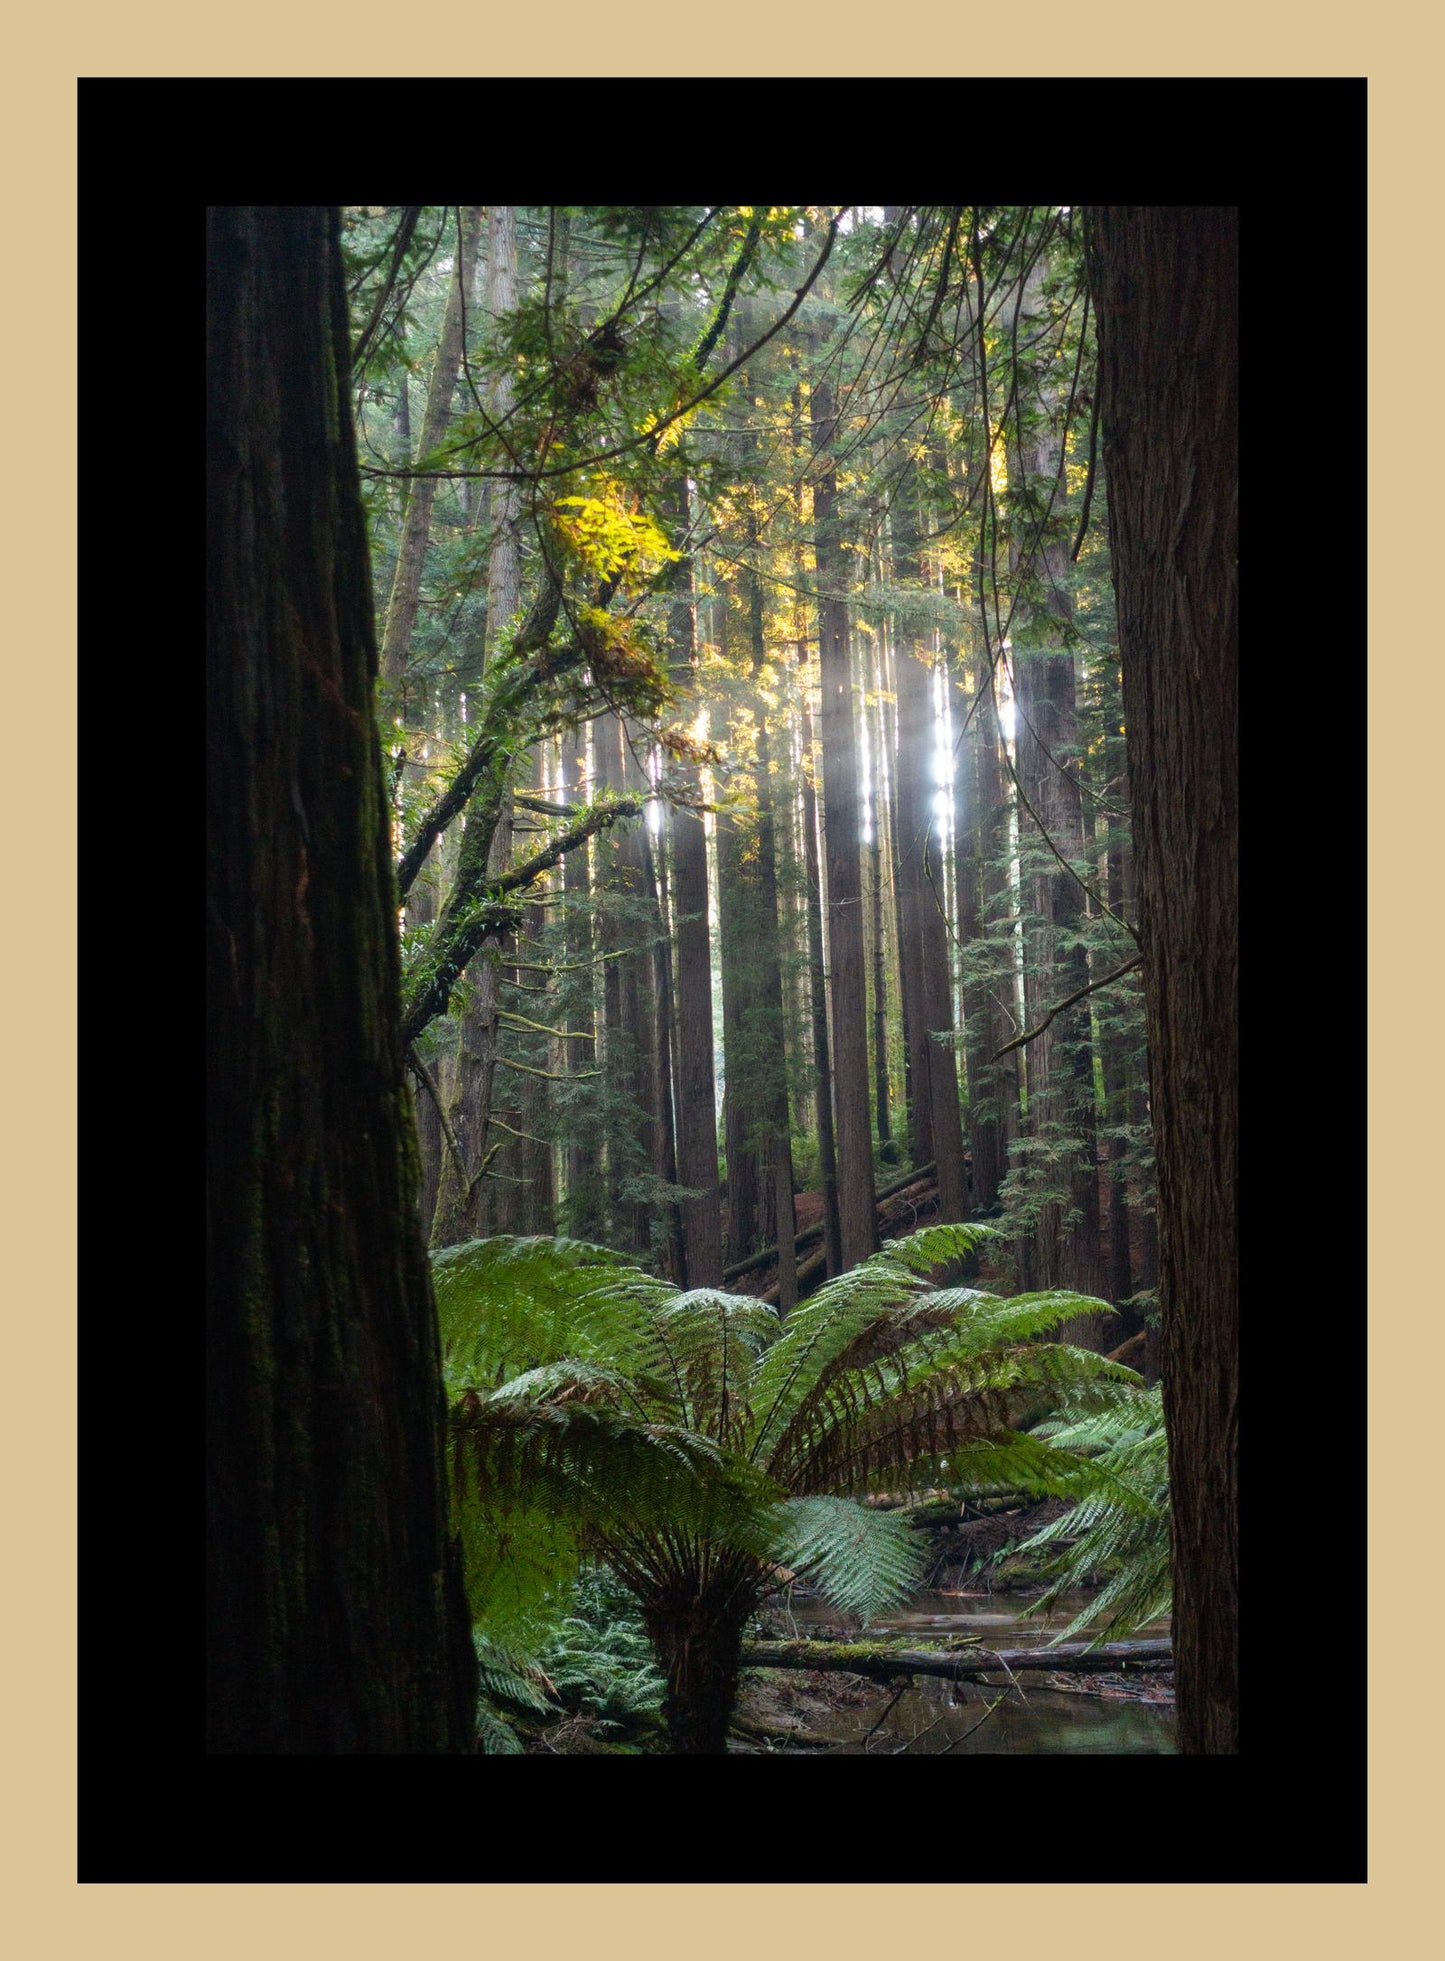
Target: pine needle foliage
(707, 1450)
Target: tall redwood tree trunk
(1165, 282)
(335, 1616)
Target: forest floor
(781, 1711)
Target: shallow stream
(1022, 1718)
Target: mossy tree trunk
(336, 1620)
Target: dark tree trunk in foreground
(1165, 282)
(336, 1622)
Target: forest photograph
(722, 981)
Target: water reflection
(967, 1719)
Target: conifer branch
(425, 1077)
(541, 1028)
(547, 1075)
(1032, 1034)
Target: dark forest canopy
(797, 630)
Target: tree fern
(696, 1443)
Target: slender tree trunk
(905, 930)
(848, 1022)
(822, 1061)
(877, 949)
(577, 1007)
(934, 1072)
(697, 1166)
(664, 1148)
(749, 1193)
(773, 1074)
(1116, 1092)
(421, 907)
(1059, 1063)
(336, 1623)
(1165, 282)
(411, 551)
(989, 973)
(478, 1196)
(792, 892)
(628, 1011)
(403, 430)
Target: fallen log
(813, 1269)
(810, 1233)
(770, 1253)
(970, 1664)
(914, 1177)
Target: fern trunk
(697, 1636)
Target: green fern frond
(569, 1381)
(710, 1343)
(505, 1675)
(1124, 1522)
(495, 1736)
(863, 1561)
(935, 1246)
(505, 1305)
(849, 1322)
(1102, 1416)
(886, 1403)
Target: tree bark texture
(696, 1631)
(934, 1073)
(1063, 1248)
(773, 1079)
(878, 955)
(697, 1165)
(818, 997)
(586, 1194)
(485, 1193)
(849, 1025)
(336, 1621)
(1165, 284)
(985, 898)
